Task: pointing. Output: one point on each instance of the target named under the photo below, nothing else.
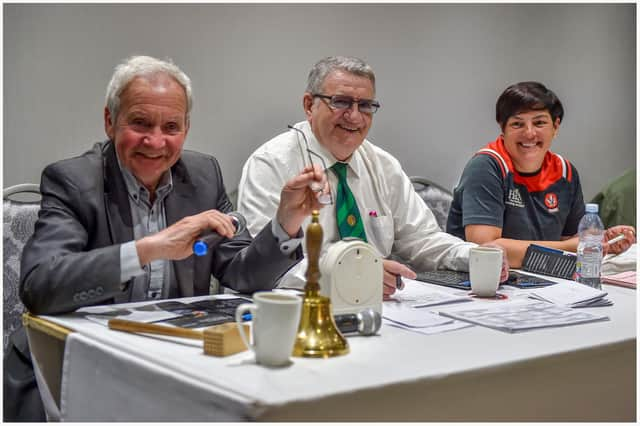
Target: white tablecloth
(110, 375)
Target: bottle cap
(200, 248)
(591, 208)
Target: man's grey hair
(326, 66)
(143, 66)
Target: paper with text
(418, 295)
(569, 294)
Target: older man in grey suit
(118, 223)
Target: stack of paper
(522, 315)
(572, 295)
(102, 314)
(401, 315)
(194, 314)
(411, 317)
(420, 295)
(623, 279)
(623, 262)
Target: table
(579, 373)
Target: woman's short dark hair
(527, 96)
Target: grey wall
(440, 69)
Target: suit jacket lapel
(116, 204)
(115, 198)
(179, 204)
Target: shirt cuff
(287, 244)
(129, 262)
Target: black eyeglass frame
(374, 104)
(310, 153)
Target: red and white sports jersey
(544, 205)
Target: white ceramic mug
(275, 318)
(485, 265)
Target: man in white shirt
(339, 103)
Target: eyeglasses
(325, 199)
(340, 102)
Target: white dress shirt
(396, 220)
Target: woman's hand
(629, 234)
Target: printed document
(571, 294)
(195, 314)
(522, 315)
(419, 295)
(407, 316)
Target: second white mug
(275, 319)
(485, 265)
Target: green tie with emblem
(347, 214)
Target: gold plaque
(351, 220)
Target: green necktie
(347, 214)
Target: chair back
(21, 204)
(437, 198)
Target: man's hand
(629, 238)
(391, 270)
(299, 198)
(176, 241)
(504, 273)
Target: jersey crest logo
(514, 199)
(551, 201)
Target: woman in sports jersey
(515, 191)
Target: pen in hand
(616, 239)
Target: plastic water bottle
(591, 233)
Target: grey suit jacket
(73, 258)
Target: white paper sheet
(436, 329)
(411, 317)
(419, 295)
(625, 261)
(569, 294)
(522, 315)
